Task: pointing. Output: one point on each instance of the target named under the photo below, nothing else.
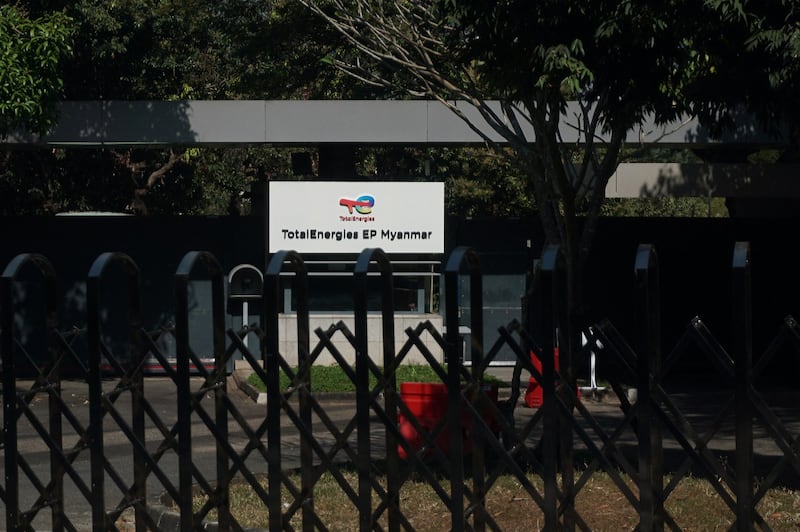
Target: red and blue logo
(362, 204)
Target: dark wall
(72, 243)
(695, 257)
(156, 245)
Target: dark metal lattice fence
(61, 446)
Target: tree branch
(158, 175)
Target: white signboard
(349, 216)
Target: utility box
(245, 282)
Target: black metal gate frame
(513, 450)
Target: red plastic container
(534, 395)
(428, 402)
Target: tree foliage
(478, 182)
(194, 49)
(32, 51)
(619, 60)
(750, 55)
(169, 50)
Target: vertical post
(137, 355)
(466, 258)
(455, 360)
(54, 406)
(214, 270)
(648, 315)
(10, 409)
(10, 412)
(100, 519)
(270, 358)
(184, 391)
(363, 392)
(393, 481)
(476, 357)
(552, 261)
(362, 405)
(566, 392)
(742, 325)
(303, 361)
(245, 320)
(10, 397)
(95, 428)
(185, 403)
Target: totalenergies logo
(362, 204)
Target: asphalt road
(160, 393)
(701, 408)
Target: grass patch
(694, 505)
(334, 379)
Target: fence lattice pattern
(63, 429)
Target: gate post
(10, 411)
(648, 366)
(742, 325)
(363, 393)
(270, 358)
(464, 257)
(185, 400)
(98, 269)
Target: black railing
(163, 444)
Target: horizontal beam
(670, 180)
(315, 122)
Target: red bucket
(534, 396)
(428, 402)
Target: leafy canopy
(31, 54)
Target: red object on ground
(428, 402)
(534, 396)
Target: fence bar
(137, 356)
(454, 358)
(184, 400)
(564, 378)
(648, 316)
(363, 393)
(10, 410)
(307, 476)
(183, 276)
(57, 469)
(742, 325)
(552, 262)
(466, 258)
(476, 358)
(220, 388)
(270, 358)
(9, 399)
(100, 266)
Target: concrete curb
(240, 379)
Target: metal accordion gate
(57, 462)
